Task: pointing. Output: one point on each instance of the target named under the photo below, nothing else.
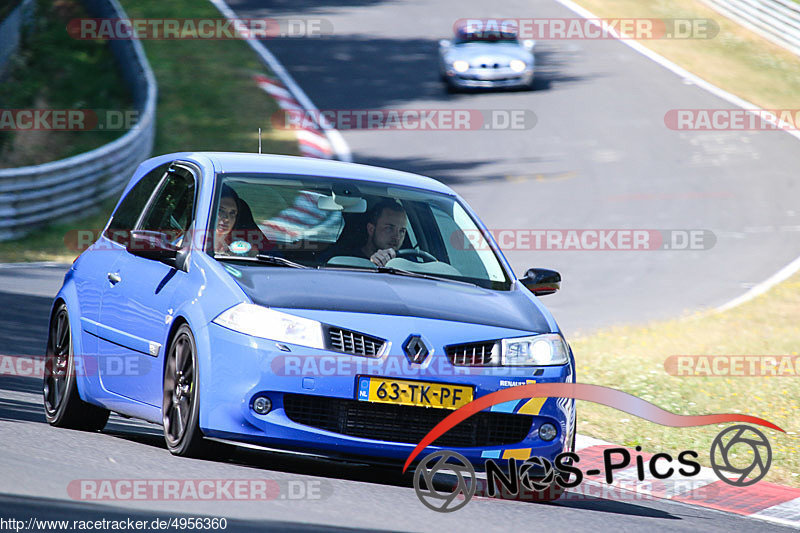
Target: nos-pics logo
(445, 481)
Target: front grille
(471, 354)
(401, 423)
(493, 79)
(352, 342)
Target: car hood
(388, 294)
(487, 53)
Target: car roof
(237, 162)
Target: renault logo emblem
(415, 349)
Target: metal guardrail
(11, 29)
(776, 20)
(35, 195)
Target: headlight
(517, 65)
(460, 66)
(266, 323)
(547, 349)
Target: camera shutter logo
(749, 436)
(541, 466)
(437, 463)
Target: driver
(386, 230)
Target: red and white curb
(291, 94)
(762, 500)
(311, 140)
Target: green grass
(54, 71)
(632, 359)
(207, 101)
(55, 242)
(736, 59)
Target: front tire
(450, 87)
(180, 408)
(63, 406)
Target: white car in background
(480, 59)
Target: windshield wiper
(397, 272)
(409, 273)
(265, 259)
(401, 272)
(383, 270)
(275, 260)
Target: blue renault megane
(312, 306)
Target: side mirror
(529, 44)
(444, 43)
(153, 245)
(541, 281)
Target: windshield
(323, 222)
(463, 37)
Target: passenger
(235, 224)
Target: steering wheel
(420, 256)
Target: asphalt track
(599, 157)
(39, 463)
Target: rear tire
(63, 406)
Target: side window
(128, 211)
(465, 257)
(172, 209)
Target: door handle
(114, 278)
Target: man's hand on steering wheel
(381, 257)
(417, 255)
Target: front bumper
(486, 80)
(237, 368)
